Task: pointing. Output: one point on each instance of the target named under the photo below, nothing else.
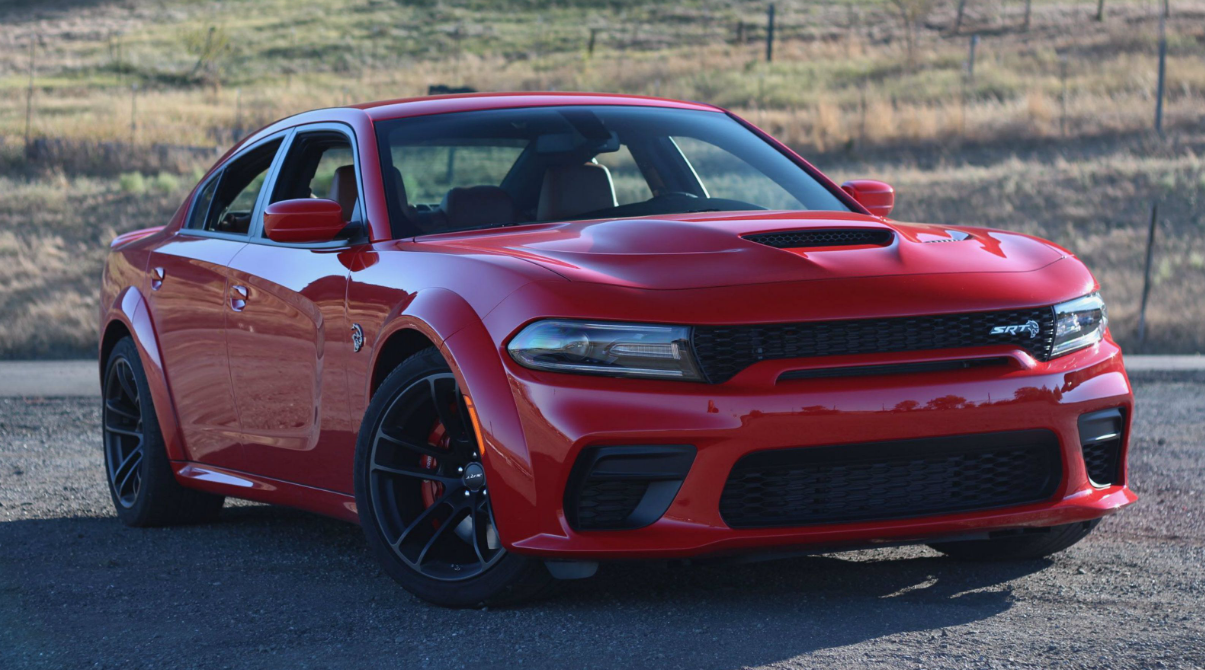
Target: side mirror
(304, 220)
(875, 196)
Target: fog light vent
(1100, 436)
(615, 488)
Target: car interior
(447, 174)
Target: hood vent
(954, 236)
(832, 237)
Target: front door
(288, 332)
(188, 304)
(188, 290)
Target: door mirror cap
(304, 220)
(878, 198)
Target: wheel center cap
(474, 477)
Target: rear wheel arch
(130, 315)
(114, 332)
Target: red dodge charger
(515, 335)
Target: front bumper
(563, 414)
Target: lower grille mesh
(723, 351)
(606, 504)
(1102, 459)
(887, 480)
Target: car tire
(1018, 547)
(142, 485)
(398, 508)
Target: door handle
(238, 298)
(157, 275)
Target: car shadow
(271, 584)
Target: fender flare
(457, 330)
(131, 310)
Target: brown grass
(996, 151)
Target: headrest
(570, 190)
(344, 191)
(471, 206)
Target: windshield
(480, 169)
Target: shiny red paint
(878, 198)
(303, 220)
(260, 390)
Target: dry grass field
(1051, 136)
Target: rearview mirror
(304, 220)
(878, 198)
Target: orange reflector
(468, 402)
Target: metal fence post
(971, 58)
(770, 33)
(1146, 280)
(29, 96)
(1162, 71)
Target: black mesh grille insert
(723, 351)
(608, 503)
(889, 480)
(1100, 436)
(1102, 459)
(799, 239)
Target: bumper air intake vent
(891, 480)
(617, 488)
(1100, 436)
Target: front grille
(891, 480)
(723, 351)
(801, 239)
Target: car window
(724, 175)
(463, 170)
(429, 171)
(319, 164)
(238, 187)
(200, 207)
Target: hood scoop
(824, 237)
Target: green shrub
(132, 182)
(165, 182)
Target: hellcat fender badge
(1030, 327)
(357, 336)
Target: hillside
(1051, 135)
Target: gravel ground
(272, 587)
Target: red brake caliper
(431, 491)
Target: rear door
(188, 303)
(290, 338)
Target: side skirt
(237, 484)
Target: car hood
(712, 250)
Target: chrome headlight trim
(612, 349)
(1078, 324)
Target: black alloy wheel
(446, 532)
(423, 495)
(141, 481)
(124, 439)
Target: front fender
(130, 309)
(451, 323)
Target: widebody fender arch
(456, 329)
(129, 308)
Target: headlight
(1079, 323)
(599, 348)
